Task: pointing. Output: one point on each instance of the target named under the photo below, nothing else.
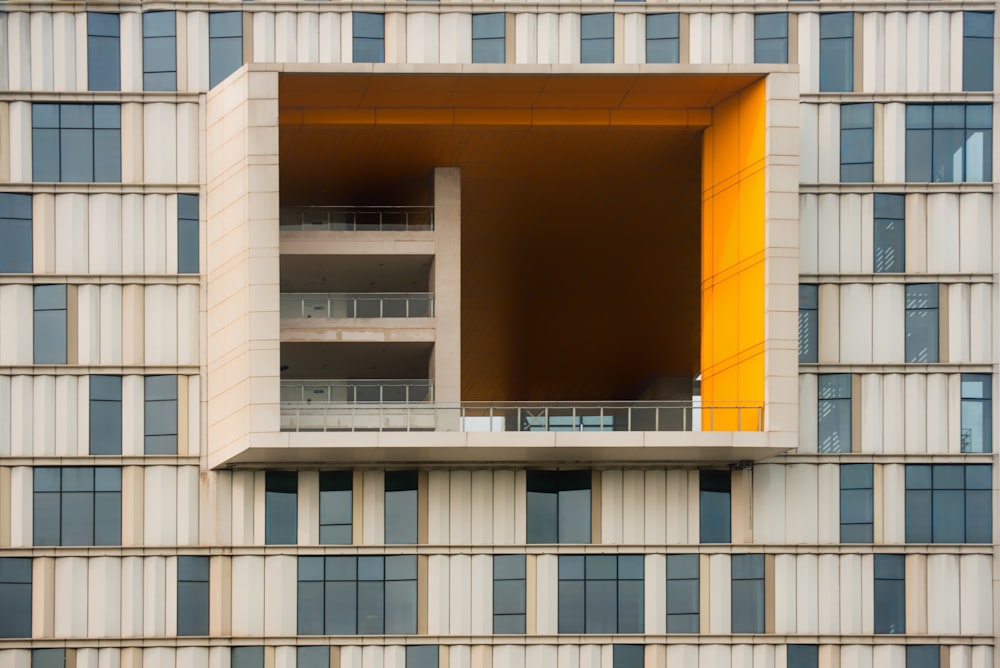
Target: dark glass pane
(770, 51)
(15, 570)
(803, 656)
(340, 607)
(572, 611)
(682, 624)
(488, 50)
(310, 607)
(107, 156)
(508, 567)
(601, 567)
(103, 63)
(16, 241)
(422, 656)
(918, 155)
(890, 566)
(401, 606)
(630, 606)
(857, 173)
(78, 479)
(977, 62)
(887, 206)
(716, 522)
(978, 476)
(574, 515)
(808, 335)
(747, 566)
(194, 569)
(45, 116)
(401, 517)
(918, 516)
(401, 567)
(856, 476)
(923, 656)
(834, 425)
(44, 155)
(105, 427)
(601, 606)
(508, 624)
(192, 608)
(107, 518)
(856, 145)
(631, 567)
(48, 658)
(628, 656)
(488, 25)
(918, 476)
(15, 609)
(312, 657)
(663, 51)
(76, 149)
(508, 597)
(281, 508)
(595, 26)
(369, 25)
(836, 25)
(336, 534)
(682, 566)
(949, 516)
(890, 605)
(856, 506)
(247, 657)
(335, 507)
(108, 479)
(660, 26)
(597, 51)
(47, 479)
(161, 388)
(748, 606)
(45, 523)
(948, 155)
(50, 337)
(890, 246)
(77, 518)
(770, 26)
(856, 533)
(311, 568)
(225, 43)
(102, 24)
(836, 63)
(159, 24)
(370, 568)
(571, 567)
(542, 517)
(683, 597)
(979, 516)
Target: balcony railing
(358, 305)
(357, 218)
(323, 394)
(518, 417)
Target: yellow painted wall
(732, 269)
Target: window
(105, 415)
(949, 503)
(601, 593)
(808, 324)
(597, 38)
(628, 656)
(225, 45)
(558, 506)
(161, 415)
(836, 52)
(890, 234)
(977, 51)
(15, 597)
(770, 38)
(922, 656)
(357, 595)
(336, 510)
(312, 657)
(949, 143)
(369, 37)
(977, 412)
(281, 507)
(890, 593)
(857, 505)
(488, 38)
(663, 38)
(48, 658)
(715, 494)
(16, 245)
(857, 143)
(508, 593)
(77, 505)
(76, 142)
(246, 657)
(401, 515)
(421, 656)
(683, 593)
(103, 52)
(748, 593)
(50, 324)
(922, 322)
(187, 234)
(192, 596)
(834, 411)
(802, 656)
(159, 51)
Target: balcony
(357, 305)
(357, 219)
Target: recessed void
(355, 273)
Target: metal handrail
(357, 305)
(323, 393)
(357, 218)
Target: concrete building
(570, 335)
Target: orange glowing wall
(732, 268)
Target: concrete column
(446, 279)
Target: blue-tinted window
(683, 593)
(922, 656)
(770, 38)
(225, 45)
(246, 657)
(808, 324)
(401, 517)
(16, 245)
(836, 52)
(890, 234)
(949, 143)
(949, 503)
(921, 322)
(715, 496)
(747, 593)
(977, 51)
(857, 143)
(192, 596)
(558, 506)
(50, 324)
(421, 656)
(857, 505)
(488, 36)
(628, 656)
(48, 658)
(159, 51)
(77, 505)
(15, 597)
(105, 415)
(663, 38)
(834, 412)
(336, 508)
(160, 415)
(509, 598)
(187, 234)
(597, 38)
(601, 593)
(802, 656)
(281, 507)
(316, 656)
(76, 142)
(890, 593)
(369, 37)
(103, 52)
(977, 412)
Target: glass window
(103, 52)
(628, 656)
(922, 322)
(834, 411)
(77, 505)
(890, 234)
(715, 495)
(161, 415)
(509, 606)
(76, 142)
(187, 234)
(922, 656)
(192, 596)
(421, 656)
(683, 593)
(836, 52)
(977, 51)
(977, 412)
(949, 503)
(50, 324)
(401, 515)
(16, 246)
(488, 32)
(803, 656)
(159, 51)
(808, 324)
(857, 505)
(281, 507)
(48, 658)
(601, 593)
(15, 597)
(663, 38)
(890, 593)
(246, 657)
(336, 508)
(369, 37)
(949, 143)
(316, 656)
(105, 415)
(857, 143)
(597, 38)
(225, 45)
(770, 38)
(558, 506)
(357, 595)
(748, 593)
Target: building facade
(435, 334)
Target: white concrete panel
(634, 35)
(713, 656)
(4, 53)
(633, 506)
(192, 657)
(308, 37)
(939, 51)
(722, 38)
(828, 600)
(160, 505)
(894, 506)
(959, 656)
(975, 233)
(800, 504)
(981, 302)
(850, 234)
(19, 42)
(154, 224)
(569, 38)
(808, 141)
(808, 52)
(742, 41)
(547, 39)
(867, 241)
(720, 594)
(373, 508)
(105, 238)
(742, 656)
(104, 612)
(132, 596)
(806, 591)
(828, 144)
(888, 335)
(887, 656)
(654, 512)
(916, 412)
(893, 147)
(329, 37)
(895, 51)
(346, 37)
(71, 234)
(526, 39)
(569, 656)
(438, 506)
(768, 503)
(943, 590)
(937, 420)
(263, 37)
(699, 38)
(942, 233)
(159, 147)
(682, 655)
(21, 484)
(5, 416)
(21, 409)
(158, 657)
(395, 37)
(187, 143)
(88, 329)
(44, 416)
(856, 323)
(916, 51)
(508, 656)
(280, 598)
(458, 656)
(893, 411)
(130, 42)
(547, 594)
(243, 507)
(850, 593)
(871, 410)
(438, 594)
(188, 324)
(161, 324)
(982, 656)
(655, 597)
(285, 37)
(455, 39)
(828, 234)
(678, 491)
(85, 658)
(154, 600)
(70, 597)
(248, 596)
(481, 594)
(197, 55)
(64, 51)
(41, 51)
(481, 507)
(540, 655)
(504, 507)
(422, 37)
(351, 657)
(859, 656)
(957, 325)
(20, 137)
(808, 413)
(784, 593)
(132, 415)
(188, 489)
(611, 507)
(70, 409)
(133, 243)
(873, 52)
(308, 508)
(828, 511)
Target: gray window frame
(597, 38)
(770, 37)
(977, 51)
(556, 510)
(368, 38)
(402, 517)
(105, 415)
(193, 598)
(225, 45)
(49, 324)
(808, 323)
(890, 594)
(586, 578)
(82, 141)
(949, 503)
(715, 501)
(664, 36)
(836, 52)
(935, 135)
(857, 503)
(281, 507)
(16, 233)
(336, 507)
(834, 412)
(857, 142)
(922, 323)
(159, 51)
(748, 593)
(188, 235)
(509, 594)
(486, 40)
(160, 415)
(15, 597)
(889, 232)
(104, 53)
(976, 392)
(683, 593)
(61, 493)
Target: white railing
(357, 218)
(357, 305)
